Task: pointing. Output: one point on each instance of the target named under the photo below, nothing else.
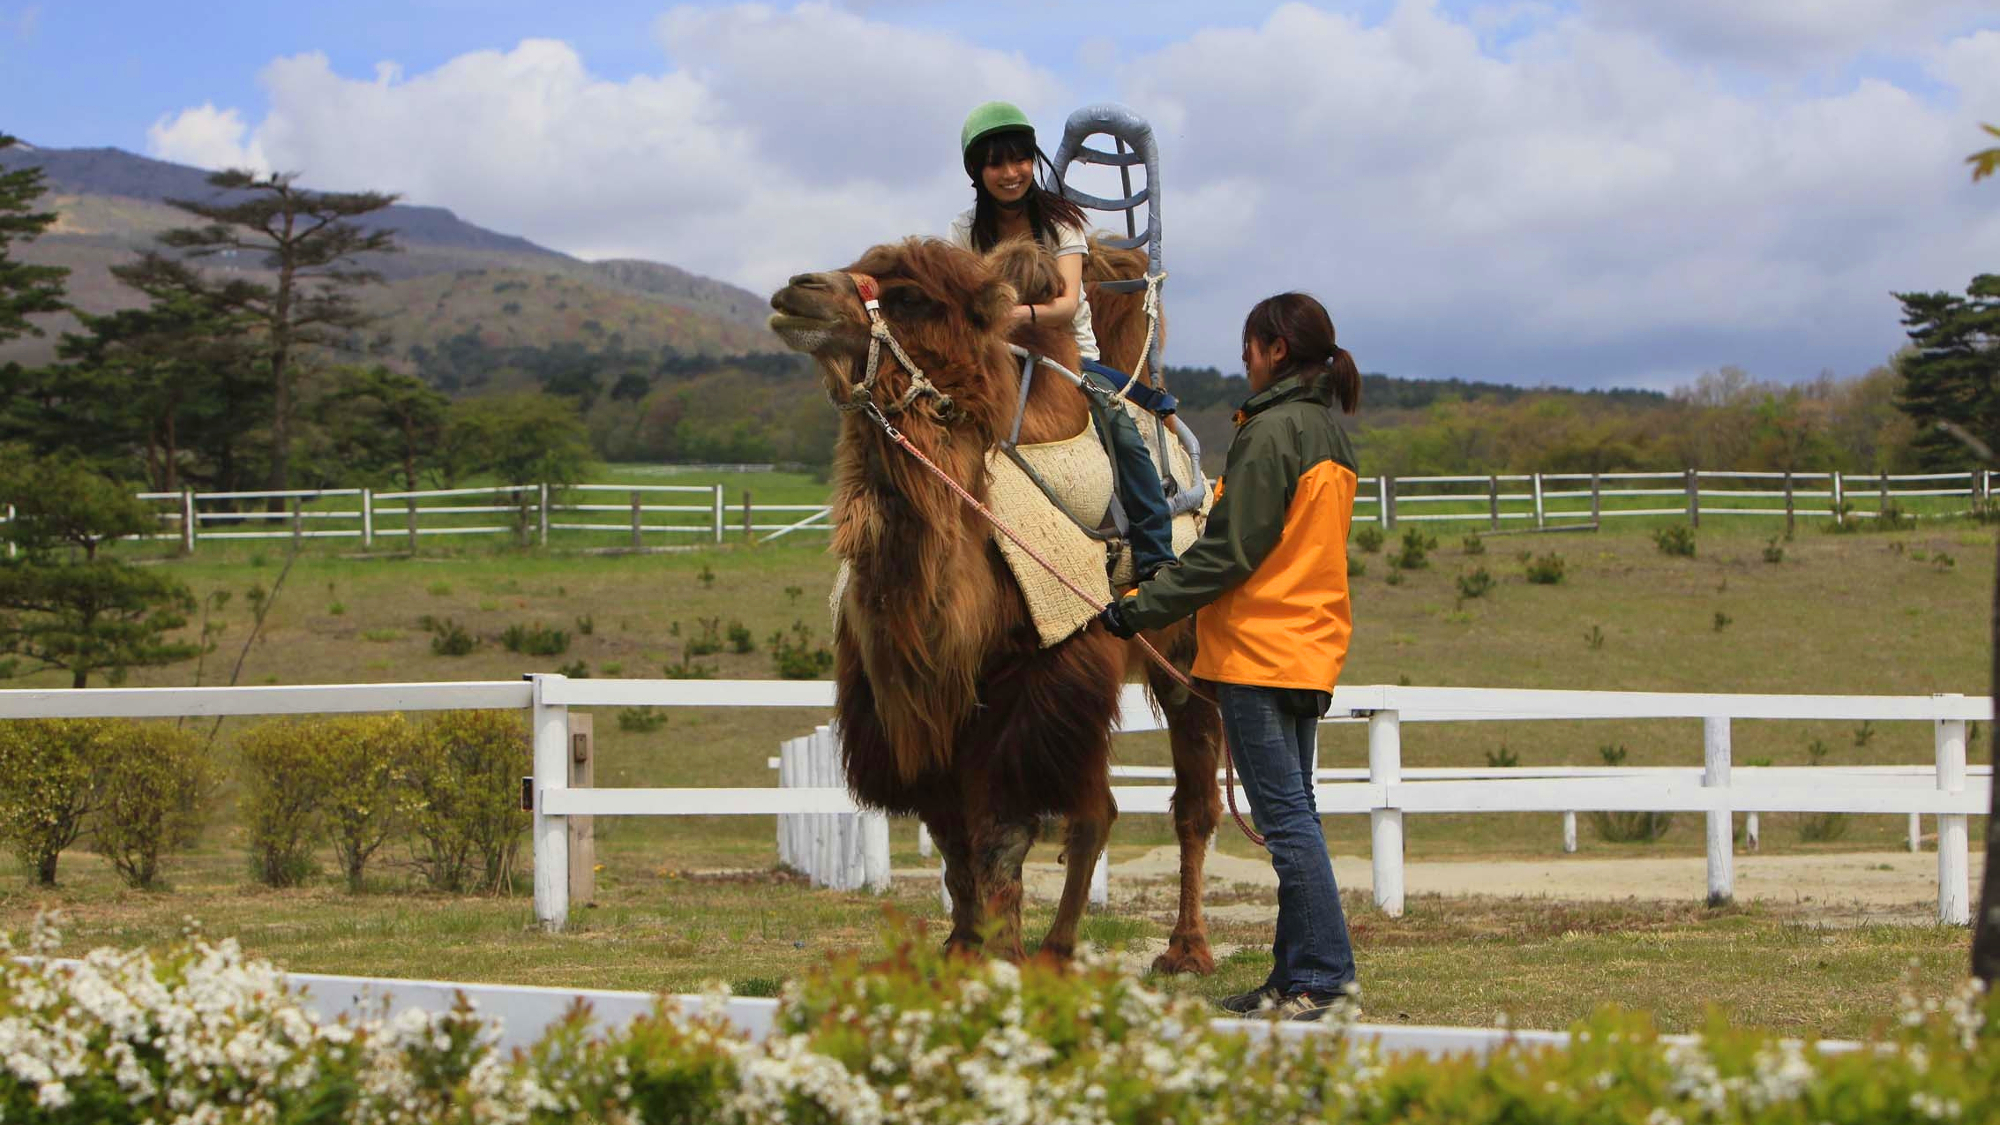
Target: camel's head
(945, 306)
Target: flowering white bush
(199, 1034)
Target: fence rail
(706, 514)
(1385, 794)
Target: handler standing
(1269, 577)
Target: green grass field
(687, 899)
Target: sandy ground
(1858, 886)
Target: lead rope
(1228, 759)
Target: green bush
(365, 758)
(740, 638)
(1368, 537)
(1631, 827)
(448, 637)
(1415, 554)
(54, 781)
(1356, 567)
(535, 640)
(1774, 552)
(1474, 545)
(1504, 759)
(586, 624)
(687, 669)
(1546, 570)
(796, 657)
(282, 778)
(1677, 540)
(1476, 584)
(575, 669)
(461, 798)
(158, 781)
(710, 641)
(640, 720)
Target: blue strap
(1150, 399)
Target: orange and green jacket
(1269, 574)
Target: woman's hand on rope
(1115, 623)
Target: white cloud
(1783, 34)
(206, 137)
(1582, 204)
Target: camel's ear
(992, 303)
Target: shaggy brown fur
(1119, 318)
(948, 707)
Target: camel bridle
(861, 396)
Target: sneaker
(1246, 1003)
(1306, 1006)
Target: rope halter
(862, 395)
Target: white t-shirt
(1066, 241)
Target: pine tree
(24, 289)
(1954, 374)
(306, 239)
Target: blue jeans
(1274, 760)
(1150, 528)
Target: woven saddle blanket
(1079, 471)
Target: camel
(949, 709)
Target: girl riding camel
(1000, 154)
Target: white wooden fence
(653, 514)
(1386, 795)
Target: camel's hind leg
(1088, 830)
(1195, 733)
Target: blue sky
(1586, 193)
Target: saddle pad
(1078, 470)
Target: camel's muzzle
(816, 314)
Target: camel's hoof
(1055, 956)
(968, 947)
(1185, 955)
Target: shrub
(710, 641)
(1504, 759)
(706, 576)
(381, 636)
(613, 668)
(793, 593)
(336, 609)
(687, 669)
(1722, 621)
(1594, 639)
(586, 624)
(1546, 570)
(1822, 827)
(54, 781)
(1393, 578)
(1631, 827)
(1415, 554)
(575, 670)
(1368, 537)
(740, 640)
(448, 637)
(1943, 561)
(1677, 540)
(639, 720)
(1474, 545)
(158, 780)
(462, 799)
(1476, 584)
(365, 759)
(282, 773)
(535, 640)
(1356, 567)
(438, 589)
(796, 657)
(1774, 553)
(1613, 754)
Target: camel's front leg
(1084, 839)
(998, 850)
(1195, 733)
(955, 847)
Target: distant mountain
(446, 280)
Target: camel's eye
(909, 301)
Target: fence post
(550, 725)
(635, 521)
(1753, 833)
(718, 512)
(1100, 880)
(410, 513)
(188, 531)
(298, 521)
(367, 519)
(1569, 832)
(1916, 832)
(1694, 499)
(1493, 502)
(1789, 516)
(582, 834)
(1385, 767)
(542, 514)
(1596, 499)
(1954, 862)
(1839, 517)
(1540, 520)
(923, 840)
(1882, 493)
(1388, 488)
(875, 851)
(749, 536)
(11, 548)
(785, 750)
(1715, 774)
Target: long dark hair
(1046, 206)
(1310, 351)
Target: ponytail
(1326, 368)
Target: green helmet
(988, 119)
